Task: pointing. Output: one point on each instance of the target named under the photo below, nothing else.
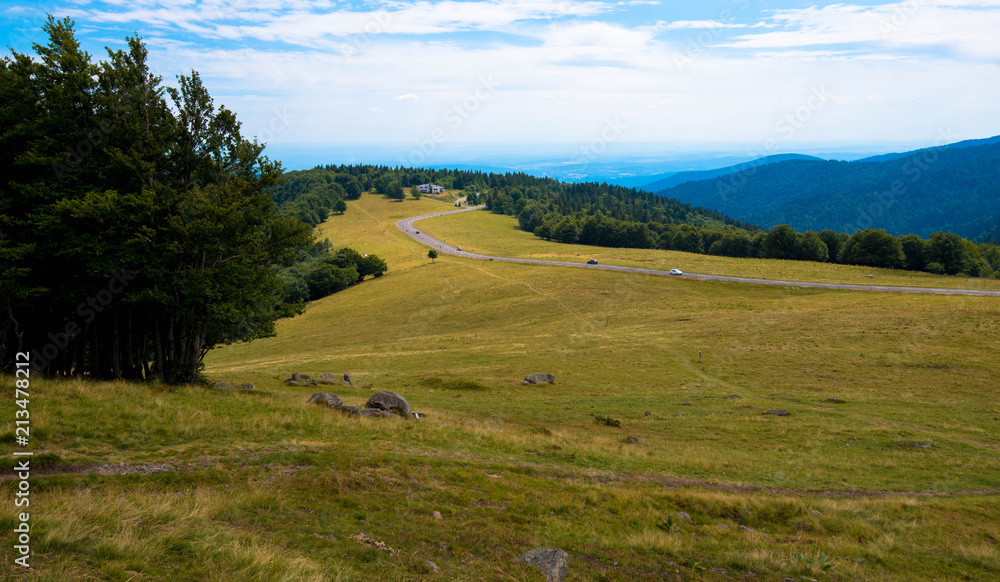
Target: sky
(436, 78)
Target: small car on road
(592, 262)
(676, 272)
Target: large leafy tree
(137, 231)
(873, 248)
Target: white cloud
(584, 64)
(947, 25)
(681, 24)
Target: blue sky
(440, 76)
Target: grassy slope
(499, 235)
(264, 487)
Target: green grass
(264, 487)
(499, 235)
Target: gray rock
(539, 378)
(373, 412)
(347, 380)
(390, 402)
(327, 378)
(747, 529)
(297, 379)
(733, 397)
(434, 567)
(777, 412)
(352, 411)
(649, 413)
(246, 386)
(436, 514)
(632, 440)
(683, 515)
(719, 571)
(835, 401)
(815, 512)
(223, 385)
(331, 400)
(722, 527)
(554, 563)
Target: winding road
(406, 225)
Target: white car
(676, 272)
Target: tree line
(941, 253)
(138, 227)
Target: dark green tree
(812, 247)
(394, 190)
(873, 248)
(914, 252)
(834, 242)
(732, 244)
(781, 242)
(949, 251)
(340, 206)
(432, 254)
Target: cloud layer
(671, 72)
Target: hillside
(224, 484)
(671, 180)
(953, 189)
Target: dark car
(592, 262)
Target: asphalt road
(406, 225)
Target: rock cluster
(382, 404)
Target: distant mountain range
(949, 188)
(674, 179)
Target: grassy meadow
(499, 235)
(900, 480)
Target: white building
(430, 189)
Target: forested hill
(509, 193)
(951, 188)
(694, 176)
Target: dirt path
(406, 225)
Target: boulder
(539, 378)
(331, 400)
(347, 380)
(433, 567)
(297, 379)
(684, 515)
(246, 386)
(223, 385)
(777, 412)
(352, 411)
(633, 440)
(327, 378)
(390, 402)
(554, 563)
(373, 412)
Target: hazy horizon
(723, 75)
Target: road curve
(406, 225)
